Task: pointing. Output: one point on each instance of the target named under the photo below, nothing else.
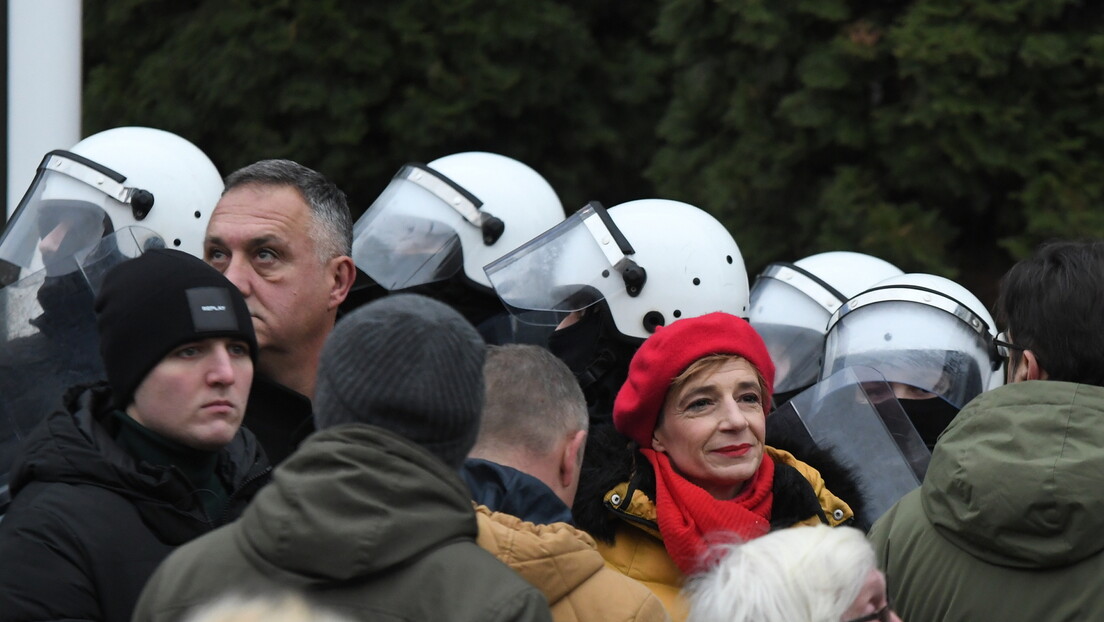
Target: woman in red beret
(697, 470)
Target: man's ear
(343, 272)
(572, 459)
(1028, 368)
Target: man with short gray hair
(525, 469)
(282, 234)
(531, 437)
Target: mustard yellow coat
(563, 563)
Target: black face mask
(598, 356)
(66, 301)
(577, 345)
(930, 417)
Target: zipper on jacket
(248, 482)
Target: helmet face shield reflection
(791, 311)
(568, 268)
(64, 213)
(796, 353)
(48, 335)
(854, 414)
(410, 234)
(918, 345)
(21, 299)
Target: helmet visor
(854, 415)
(62, 216)
(914, 344)
(48, 334)
(410, 235)
(568, 268)
(792, 325)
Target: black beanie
(156, 302)
(408, 364)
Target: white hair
(276, 607)
(812, 574)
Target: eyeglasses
(881, 615)
(1004, 347)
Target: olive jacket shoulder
(1009, 521)
(368, 525)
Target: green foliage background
(946, 136)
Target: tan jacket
(565, 565)
(638, 550)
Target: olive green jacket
(1009, 522)
(367, 525)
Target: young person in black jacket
(108, 486)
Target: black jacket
(279, 417)
(510, 491)
(87, 525)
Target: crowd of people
(225, 400)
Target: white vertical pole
(44, 86)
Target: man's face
(197, 394)
(260, 238)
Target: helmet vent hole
(176, 242)
(728, 258)
(697, 281)
(653, 320)
(197, 214)
(605, 274)
(677, 313)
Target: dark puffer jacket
(88, 525)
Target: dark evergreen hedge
(947, 136)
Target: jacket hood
(69, 446)
(354, 500)
(75, 446)
(1015, 479)
(557, 558)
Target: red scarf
(690, 519)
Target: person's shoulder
(609, 595)
(539, 551)
(191, 574)
(478, 586)
(74, 506)
(906, 514)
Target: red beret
(668, 353)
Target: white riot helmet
(652, 261)
(461, 211)
(921, 330)
(791, 305)
(111, 180)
